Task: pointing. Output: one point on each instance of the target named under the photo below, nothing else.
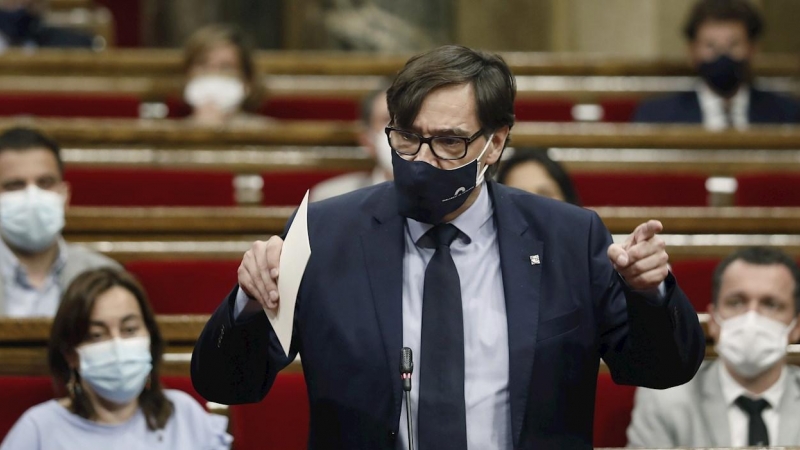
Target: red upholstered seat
(768, 189)
(290, 108)
(612, 412)
(543, 110)
(288, 188)
(280, 421)
(619, 110)
(149, 187)
(17, 394)
(185, 287)
(625, 189)
(694, 278)
(69, 105)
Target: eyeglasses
(407, 143)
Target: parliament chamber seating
(17, 394)
(149, 187)
(105, 105)
(280, 421)
(288, 188)
(768, 189)
(631, 189)
(185, 286)
(612, 412)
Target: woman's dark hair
(202, 41)
(539, 156)
(490, 77)
(724, 10)
(761, 256)
(71, 328)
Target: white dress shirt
(477, 257)
(22, 298)
(712, 107)
(738, 420)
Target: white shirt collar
(712, 107)
(731, 389)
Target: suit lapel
(789, 412)
(383, 248)
(715, 413)
(521, 280)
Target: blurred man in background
(372, 137)
(36, 264)
(750, 396)
(22, 25)
(723, 39)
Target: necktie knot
(750, 406)
(444, 234)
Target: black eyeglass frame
(429, 140)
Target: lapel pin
(535, 260)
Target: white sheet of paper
(294, 257)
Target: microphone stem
(408, 419)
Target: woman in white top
(105, 349)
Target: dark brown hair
(22, 138)
(553, 168)
(202, 41)
(71, 328)
(724, 10)
(490, 77)
(761, 256)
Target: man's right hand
(258, 272)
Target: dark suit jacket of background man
(563, 315)
(684, 107)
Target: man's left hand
(642, 258)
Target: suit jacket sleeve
(643, 343)
(649, 428)
(237, 361)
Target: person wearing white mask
(36, 264)
(373, 139)
(105, 352)
(222, 86)
(750, 395)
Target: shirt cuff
(245, 306)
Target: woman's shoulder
(191, 421)
(28, 430)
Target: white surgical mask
(752, 343)
(383, 151)
(32, 218)
(226, 92)
(116, 369)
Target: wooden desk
(168, 62)
(169, 134)
(186, 223)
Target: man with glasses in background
(507, 300)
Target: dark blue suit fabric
(564, 314)
(684, 107)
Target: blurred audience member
(750, 396)
(533, 171)
(105, 352)
(221, 82)
(372, 136)
(22, 25)
(35, 262)
(723, 38)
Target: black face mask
(724, 75)
(19, 25)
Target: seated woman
(533, 171)
(105, 350)
(221, 82)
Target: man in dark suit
(723, 37)
(507, 299)
(22, 25)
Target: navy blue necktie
(757, 430)
(442, 418)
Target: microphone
(406, 368)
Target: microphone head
(406, 361)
